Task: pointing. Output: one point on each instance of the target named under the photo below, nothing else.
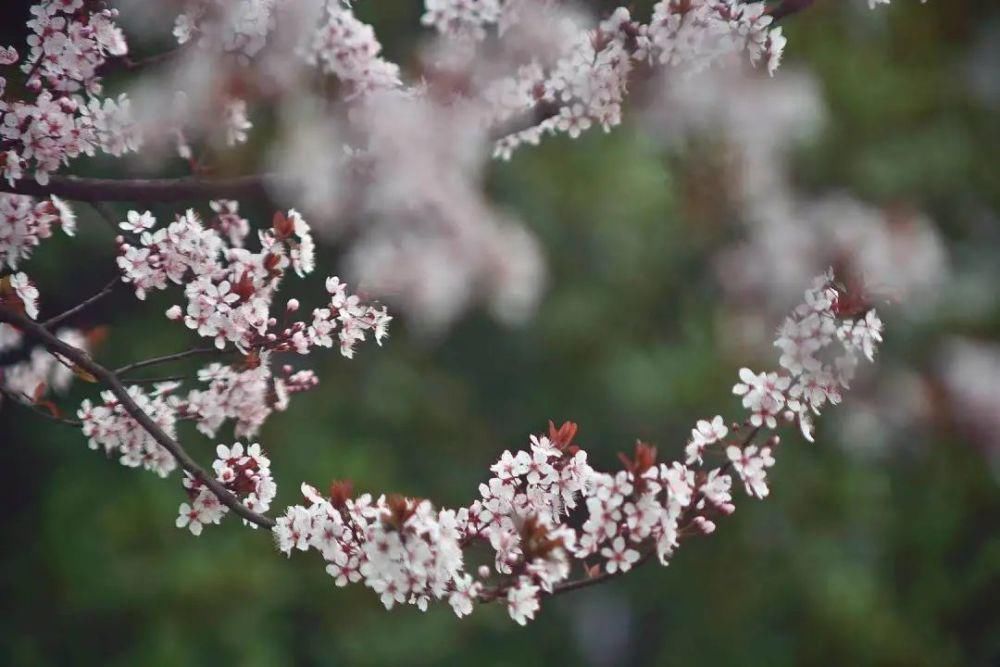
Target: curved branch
(112, 382)
(79, 188)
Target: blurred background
(672, 246)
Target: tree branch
(156, 361)
(788, 7)
(166, 378)
(25, 401)
(112, 382)
(61, 317)
(79, 188)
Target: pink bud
(705, 525)
(483, 571)
(292, 306)
(174, 313)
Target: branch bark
(156, 361)
(79, 188)
(61, 317)
(112, 382)
(789, 7)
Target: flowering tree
(358, 138)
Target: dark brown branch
(112, 382)
(107, 214)
(79, 188)
(167, 358)
(62, 317)
(167, 378)
(577, 584)
(151, 60)
(789, 7)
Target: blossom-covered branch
(131, 407)
(547, 513)
(356, 133)
(229, 291)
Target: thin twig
(156, 361)
(25, 401)
(169, 378)
(108, 215)
(789, 7)
(155, 59)
(61, 317)
(114, 383)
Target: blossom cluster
(348, 48)
(546, 511)
(25, 222)
(108, 425)
(246, 396)
(229, 289)
(334, 40)
(18, 293)
(588, 84)
(72, 42)
(465, 18)
(820, 343)
(564, 85)
(585, 86)
(68, 46)
(245, 392)
(242, 27)
(243, 471)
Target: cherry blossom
(25, 222)
(109, 426)
(704, 434)
(26, 292)
(546, 508)
(620, 558)
(751, 465)
(244, 471)
(416, 151)
(522, 601)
